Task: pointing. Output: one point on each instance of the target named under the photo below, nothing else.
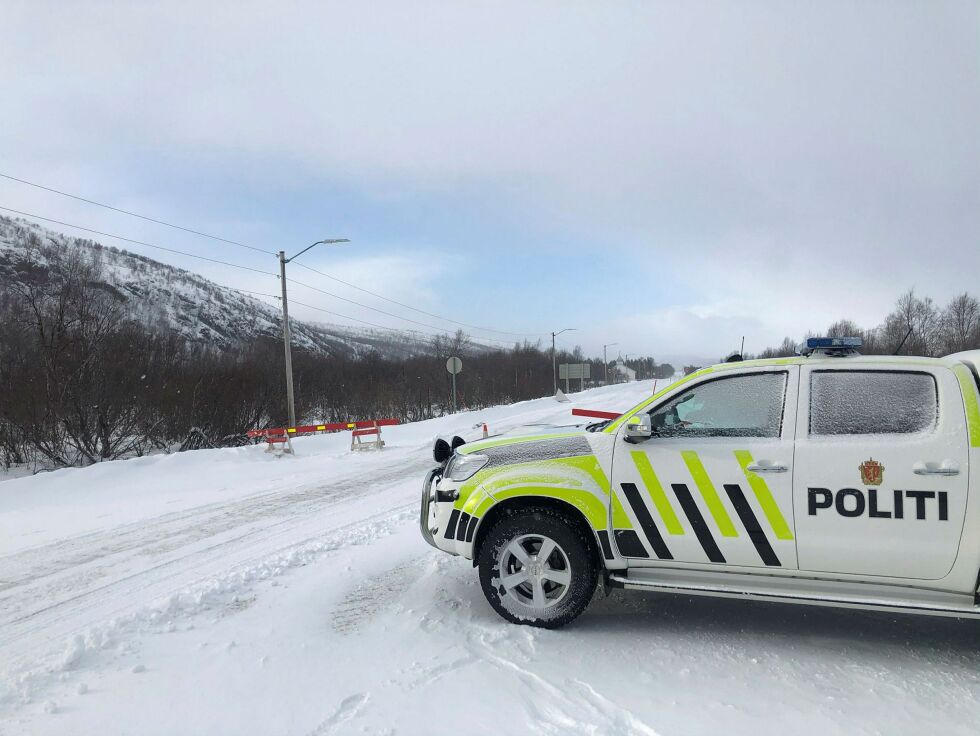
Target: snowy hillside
(172, 298)
(230, 592)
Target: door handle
(946, 468)
(765, 467)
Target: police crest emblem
(872, 472)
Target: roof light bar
(832, 345)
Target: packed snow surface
(231, 592)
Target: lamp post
(554, 363)
(605, 362)
(285, 322)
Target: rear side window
(871, 402)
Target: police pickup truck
(828, 478)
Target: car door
(881, 470)
(713, 485)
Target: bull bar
(432, 476)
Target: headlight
(463, 467)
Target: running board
(800, 591)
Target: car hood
(531, 444)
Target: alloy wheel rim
(535, 572)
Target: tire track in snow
(308, 530)
(55, 580)
(349, 708)
(150, 583)
(221, 594)
(439, 601)
(561, 706)
(178, 528)
(370, 596)
(577, 709)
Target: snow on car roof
(854, 358)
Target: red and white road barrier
(596, 414)
(356, 443)
(275, 438)
(360, 428)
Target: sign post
(454, 365)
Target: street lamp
(605, 362)
(285, 321)
(554, 365)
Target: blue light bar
(833, 343)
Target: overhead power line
(416, 309)
(254, 293)
(225, 263)
(254, 270)
(381, 311)
(355, 319)
(361, 321)
(136, 242)
(239, 244)
(146, 244)
(383, 327)
(136, 214)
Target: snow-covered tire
(526, 589)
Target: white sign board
(575, 370)
(454, 365)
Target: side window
(739, 406)
(871, 402)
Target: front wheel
(537, 568)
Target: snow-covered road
(228, 592)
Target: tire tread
(583, 549)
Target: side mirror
(441, 451)
(638, 428)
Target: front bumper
(442, 520)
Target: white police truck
(827, 478)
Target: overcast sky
(668, 176)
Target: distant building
(689, 369)
(624, 371)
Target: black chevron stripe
(464, 521)
(752, 526)
(701, 530)
(604, 542)
(451, 526)
(629, 543)
(649, 526)
(469, 532)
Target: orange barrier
(278, 436)
(356, 443)
(360, 428)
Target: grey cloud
(761, 150)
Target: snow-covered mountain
(166, 297)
